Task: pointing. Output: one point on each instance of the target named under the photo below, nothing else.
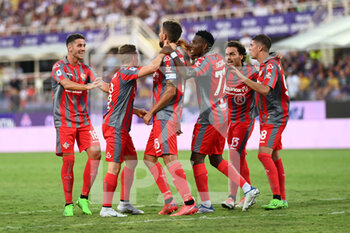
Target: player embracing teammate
(273, 104)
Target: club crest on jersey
(83, 77)
(167, 58)
(240, 99)
(65, 145)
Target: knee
(262, 156)
(196, 158)
(215, 160)
(131, 164)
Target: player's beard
(161, 44)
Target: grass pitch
(317, 184)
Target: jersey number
(263, 135)
(110, 96)
(220, 74)
(234, 143)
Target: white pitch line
(332, 199)
(25, 212)
(155, 220)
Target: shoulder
(58, 64)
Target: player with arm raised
(242, 112)
(273, 104)
(116, 127)
(166, 114)
(70, 81)
(210, 130)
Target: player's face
(232, 57)
(77, 49)
(197, 47)
(254, 49)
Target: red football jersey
(273, 108)
(240, 97)
(121, 98)
(166, 72)
(70, 108)
(210, 71)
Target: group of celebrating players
(230, 95)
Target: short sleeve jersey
(168, 72)
(70, 108)
(210, 78)
(274, 107)
(121, 97)
(240, 97)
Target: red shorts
(271, 136)
(238, 135)
(65, 137)
(119, 144)
(209, 139)
(162, 140)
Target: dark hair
(173, 30)
(73, 37)
(126, 52)
(264, 40)
(207, 36)
(240, 48)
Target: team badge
(83, 76)
(240, 99)
(66, 145)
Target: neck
(262, 56)
(173, 45)
(72, 60)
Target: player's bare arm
(186, 72)
(102, 85)
(139, 112)
(258, 87)
(70, 85)
(166, 97)
(153, 67)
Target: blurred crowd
(307, 79)
(30, 16)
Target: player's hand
(279, 55)
(140, 112)
(93, 85)
(147, 118)
(167, 49)
(183, 44)
(179, 132)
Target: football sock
(276, 197)
(67, 177)
(84, 197)
(68, 204)
(161, 180)
(230, 171)
(90, 172)
(246, 187)
(126, 179)
(109, 185)
(244, 170)
(281, 177)
(180, 181)
(271, 172)
(206, 203)
(201, 177)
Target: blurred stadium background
(312, 36)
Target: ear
(205, 46)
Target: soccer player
(273, 104)
(210, 130)
(241, 112)
(166, 114)
(70, 81)
(116, 127)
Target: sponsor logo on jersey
(168, 69)
(170, 76)
(65, 145)
(220, 64)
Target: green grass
(317, 184)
